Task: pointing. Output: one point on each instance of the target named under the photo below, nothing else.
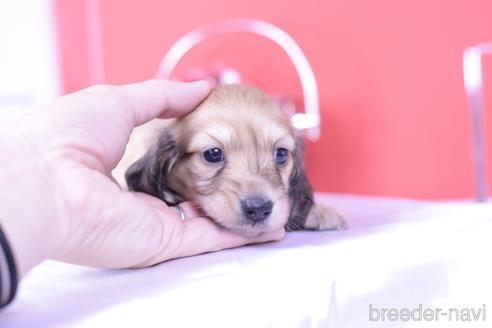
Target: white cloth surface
(397, 253)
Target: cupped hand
(63, 203)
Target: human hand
(60, 202)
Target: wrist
(8, 272)
(28, 214)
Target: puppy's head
(236, 156)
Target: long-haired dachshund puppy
(239, 159)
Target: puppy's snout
(256, 209)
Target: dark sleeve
(8, 272)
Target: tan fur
(141, 139)
(247, 126)
(325, 218)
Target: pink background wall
(395, 117)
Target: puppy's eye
(281, 155)
(213, 155)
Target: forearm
(27, 210)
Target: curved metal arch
(310, 119)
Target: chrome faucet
(309, 120)
(472, 73)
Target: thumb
(160, 98)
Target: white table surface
(397, 253)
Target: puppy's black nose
(256, 208)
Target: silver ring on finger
(181, 212)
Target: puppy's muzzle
(256, 209)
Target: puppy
(239, 159)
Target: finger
(195, 235)
(160, 98)
(190, 210)
(217, 237)
(138, 230)
(201, 235)
(141, 102)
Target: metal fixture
(310, 119)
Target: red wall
(395, 117)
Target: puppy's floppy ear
(300, 192)
(150, 173)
